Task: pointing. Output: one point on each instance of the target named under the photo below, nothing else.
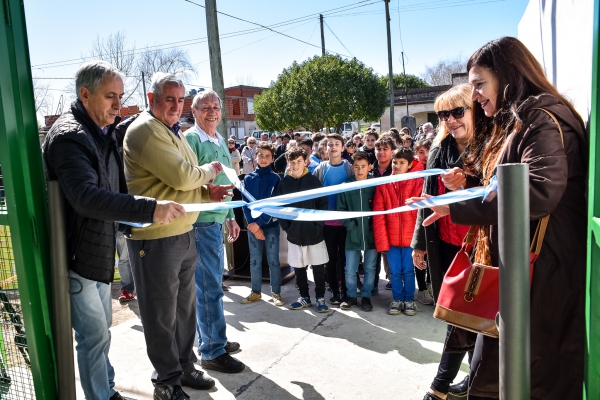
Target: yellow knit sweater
(159, 165)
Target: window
(250, 106)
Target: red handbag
(469, 297)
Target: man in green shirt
(209, 147)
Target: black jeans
(335, 240)
(163, 272)
(448, 368)
(423, 278)
(302, 280)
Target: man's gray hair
(160, 79)
(205, 94)
(91, 74)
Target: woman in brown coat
(509, 91)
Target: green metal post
(25, 194)
(592, 368)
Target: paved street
(303, 354)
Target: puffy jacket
(359, 231)
(261, 184)
(303, 233)
(396, 229)
(77, 154)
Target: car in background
(256, 134)
(377, 127)
(304, 134)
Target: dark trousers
(423, 278)
(163, 272)
(448, 368)
(302, 280)
(335, 240)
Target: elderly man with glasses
(209, 146)
(159, 160)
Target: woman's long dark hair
(519, 76)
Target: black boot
(460, 389)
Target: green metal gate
(592, 376)
(26, 346)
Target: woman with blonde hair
(443, 240)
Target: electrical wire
(311, 35)
(331, 30)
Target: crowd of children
(334, 249)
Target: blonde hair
(457, 96)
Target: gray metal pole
(144, 86)
(214, 53)
(390, 67)
(61, 299)
(322, 35)
(513, 221)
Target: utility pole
(322, 35)
(405, 87)
(391, 70)
(144, 86)
(214, 52)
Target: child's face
(423, 155)
(400, 166)
(297, 166)
(351, 149)
(383, 154)
(334, 148)
(264, 157)
(308, 150)
(407, 143)
(361, 169)
(324, 154)
(370, 141)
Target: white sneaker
(277, 300)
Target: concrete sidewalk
(304, 354)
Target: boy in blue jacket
(265, 229)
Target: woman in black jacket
(442, 240)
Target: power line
(338, 39)
(311, 35)
(424, 6)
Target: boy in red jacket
(393, 232)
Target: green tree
(412, 81)
(324, 91)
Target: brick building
(239, 106)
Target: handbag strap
(470, 236)
(538, 236)
(562, 138)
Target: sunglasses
(457, 113)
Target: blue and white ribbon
(274, 206)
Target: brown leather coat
(557, 177)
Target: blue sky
(426, 30)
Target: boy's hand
(256, 230)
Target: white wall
(560, 34)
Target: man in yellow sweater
(160, 163)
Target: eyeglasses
(457, 113)
(207, 109)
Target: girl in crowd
(443, 240)
(519, 117)
(235, 155)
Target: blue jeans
(402, 273)
(256, 256)
(91, 317)
(210, 317)
(124, 266)
(352, 261)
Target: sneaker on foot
(396, 307)
(410, 308)
(366, 304)
(335, 299)
(117, 396)
(252, 297)
(224, 287)
(164, 392)
(126, 296)
(349, 303)
(388, 286)
(303, 302)
(196, 380)
(321, 306)
(277, 300)
(224, 363)
(423, 297)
